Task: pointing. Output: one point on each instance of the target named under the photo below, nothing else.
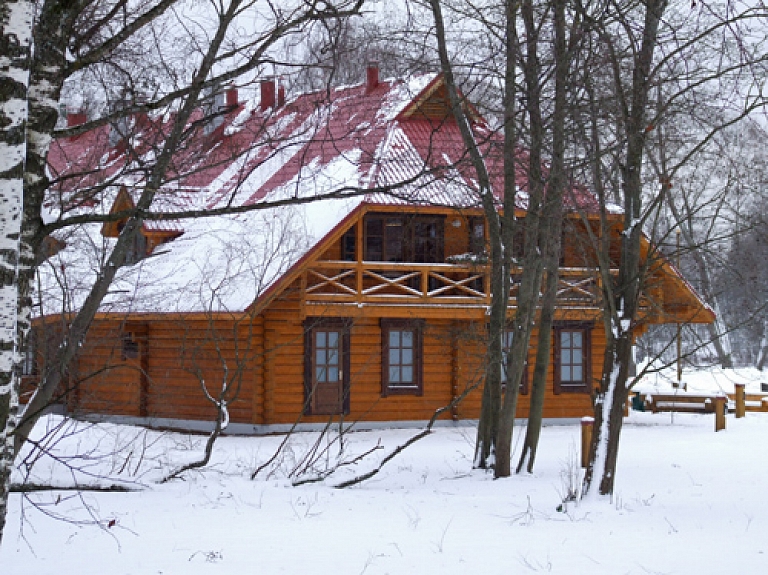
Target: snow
(688, 501)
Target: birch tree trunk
(16, 21)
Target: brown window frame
(417, 365)
(311, 326)
(573, 386)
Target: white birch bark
(16, 18)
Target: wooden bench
(681, 402)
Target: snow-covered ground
(688, 500)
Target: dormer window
(147, 238)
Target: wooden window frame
(585, 329)
(312, 324)
(417, 327)
(505, 348)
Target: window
(349, 245)
(506, 348)
(572, 353)
(400, 238)
(401, 347)
(477, 236)
(326, 366)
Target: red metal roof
(254, 152)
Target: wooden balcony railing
(428, 284)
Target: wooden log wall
(454, 355)
(157, 368)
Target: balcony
(447, 286)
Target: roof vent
(371, 77)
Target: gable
(434, 104)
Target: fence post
(586, 439)
(720, 403)
(741, 406)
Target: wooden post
(741, 407)
(586, 439)
(720, 413)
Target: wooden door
(328, 390)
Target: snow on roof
(350, 138)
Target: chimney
(280, 96)
(267, 94)
(371, 77)
(76, 118)
(232, 98)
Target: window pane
(394, 374)
(407, 374)
(407, 357)
(394, 356)
(320, 357)
(333, 357)
(565, 373)
(576, 338)
(320, 374)
(333, 374)
(577, 356)
(320, 339)
(565, 338)
(333, 339)
(374, 226)
(577, 374)
(394, 339)
(407, 339)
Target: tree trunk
(622, 299)
(540, 370)
(16, 21)
(82, 321)
(485, 448)
(551, 240)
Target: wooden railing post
(741, 406)
(587, 423)
(359, 281)
(720, 403)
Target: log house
(368, 308)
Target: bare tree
(73, 37)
